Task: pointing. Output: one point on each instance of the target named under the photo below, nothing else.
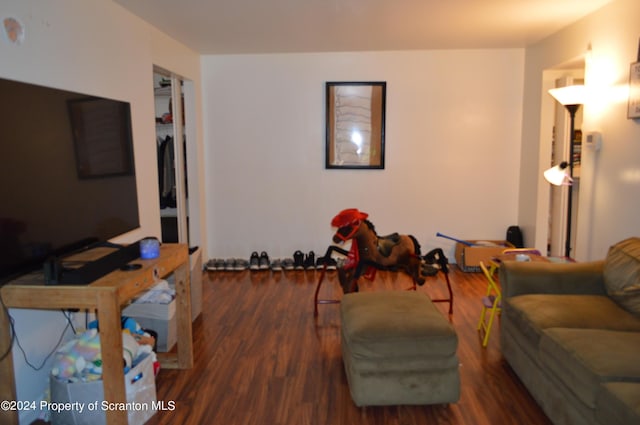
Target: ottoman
(398, 349)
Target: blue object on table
(149, 248)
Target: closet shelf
(162, 91)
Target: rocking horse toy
(370, 252)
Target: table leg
(183, 317)
(7, 383)
(112, 360)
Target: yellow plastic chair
(491, 303)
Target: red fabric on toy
(348, 216)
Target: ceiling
(283, 26)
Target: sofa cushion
(619, 403)
(583, 359)
(622, 274)
(535, 312)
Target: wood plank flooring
(262, 358)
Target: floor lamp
(571, 97)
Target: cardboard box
(158, 317)
(468, 257)
(140, 385)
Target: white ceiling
(279, 26)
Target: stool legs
(316, 301)
(447, 300)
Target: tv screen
(67, 178)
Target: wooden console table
(106, 295)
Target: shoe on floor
(264, 262)
(330, 263)
(221, 264)
(212, 265)
(310, 261)
(298, 260)
(229, 264)
(287, 264)
(254, 261)
(241, 264)
(276, 265)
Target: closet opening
(172, 151)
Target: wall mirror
(355, 119)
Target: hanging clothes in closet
(166, 172)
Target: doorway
(171, 148)
(563, 147)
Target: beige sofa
(571, 332)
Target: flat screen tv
(67, 178)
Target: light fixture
(571, 97)
(559, 174)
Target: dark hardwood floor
(262, 358)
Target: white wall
(96, 48)
(610, 200)
(453, 123)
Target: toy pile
(80, 359)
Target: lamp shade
(558, 175)
(570, 95)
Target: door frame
(186, 173)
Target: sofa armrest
(518, 278)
